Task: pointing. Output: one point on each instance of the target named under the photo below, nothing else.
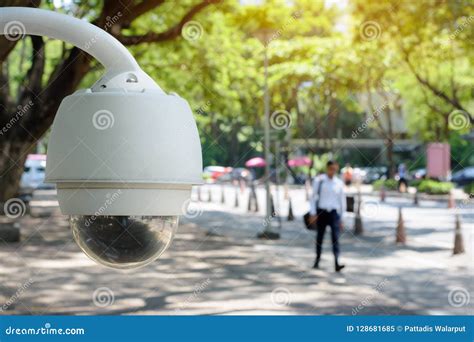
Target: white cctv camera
(123, 154)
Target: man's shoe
(316, 264)
(339, 267)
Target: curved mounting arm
(90, 38)
(122, 70)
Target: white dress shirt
(332, 195)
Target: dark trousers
(331, 219)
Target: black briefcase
(350, 204)
(308, 223)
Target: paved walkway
(216, 266)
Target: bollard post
(272, 204)
(358, 227)
(222, 194)
(401, 234)
(236, 202)
(291, 217)
(209, 194)
(9, 232)
(199, 193)
(249, 206)
(256, 209)
(415, 198)
(458, 239)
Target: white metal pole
(266, 127)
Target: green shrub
(434, 187)
(469, 188)
(416, 183)
(389, 184)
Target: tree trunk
(39, 100)
(12, 159)
(391, 165)
(234, 145)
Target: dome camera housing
(123, 154)
(124, 163)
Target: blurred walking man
(327, 205)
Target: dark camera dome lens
(123, 241)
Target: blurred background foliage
(320, 61)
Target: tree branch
(61, 83)
(35, 73)
(169, 34)
(453, 101)
(140, 9)
(6, 45)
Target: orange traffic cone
(382, 193)
(451, 201)
(401, 234)
(458, 239)
(415, 198)
(242, 184)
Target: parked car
(374, 173)
(212, 173)
(34, 174)
(464, 176)
(418, 174)
(235, 174)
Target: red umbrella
(300, 161)
(255, 162)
